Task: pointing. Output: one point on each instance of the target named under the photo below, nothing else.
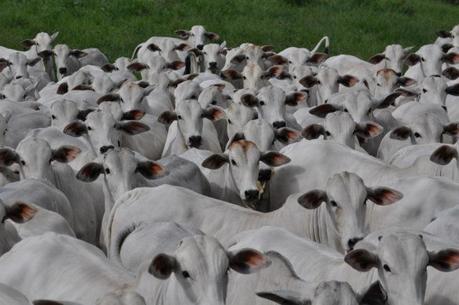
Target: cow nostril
(195, 141)
(19, 76)
(279, 124)
(62, 70)
(353, 241)
(213, 64)
(104, 149)
(200, 46)
(251, 195)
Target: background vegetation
(360, 27)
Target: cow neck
(230, 186)
(8, 238)
(91, 145)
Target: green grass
(360, 27)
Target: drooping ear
(162, 266)
(451, 58)
(309, 81)
(287, 135)
(238, 59)
(46, 302)
(388, 100)
(109, 68)
(453, 90)
(412, 59)
(444, 154)
(451, 73)
(231, 74)
(383, 195)
(362, 260)
(401, 133)
(110, 97)
(249, 100)
(33, 62)
(167, 117)
(183, 34)
(375, 295)
(76, 129)
(132, 127)
(19, 212)
(45, 54)
(213, 113)
(215, 161)
(82, 114)
(212, 36)
(321, 111)
(78, 53)
(376, 59)
(317, 58)
(181, 47)
(154, 48)
(62, 89)
(274, 159)
(65, 154)
(277, 71)
(28, 43)
(137, 66)
(150, 169)
(133, 115)
(444, 34)
(406, 81)
(283, 297)
(451, 129)
(446, 47)
(368, 130)
(54, 36)
(278, 59)
(248, 261)
(312, 199)
(406, 93)
(348, 80)
(8, 157)
(294, 98)
(175, 65)
(313, 131)
(445, 260)
(90, 172)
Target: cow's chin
(214, 70)
(193, 145)
(250, 203)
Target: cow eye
(386, 268)
(262, 103)
(424, 90)
(229, 122)
(214, 102)
(107, 171)
(378, 84)
(327, 133)
(186, 274)
(119, 143)
(294, 76)
(179, 117)
(89, 128)
(423, 59)
(53, 117)
(289, 61)
(334, 204)
(23, 162)
(417, 135)
(345, 110)
(233, 162)
(244, 77)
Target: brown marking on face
(245, 145)
(387, 73)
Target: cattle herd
(194, 173)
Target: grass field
(361, 27)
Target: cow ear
(65, 154)
(412, 59)
(376, 59)
(19, 212)
(78, 53)
(28, 43)
(313, 131)
(238, 59)
(76, 129)
(274, 159)
(90, 172)
(8, 156)
(406, 93)
(176, 65)
(109, 68)
(215, 161)
(248, 261)
(388, 100)
(149, 169)
(451, 58)
(375, 295)
(212, 36)
(321, 111)
(361, 260)
(182, 34)
(181, 47)
(45, 54)
(213, 113)
(83, 87)
(368, 130)
(133, 115)
(287, 135)
(406, 81)
(317, 58)
(451, 73)
(294, 98)
(453, 90)
(446, 47)
(444, 260)
(249, 100)
(162, 266)
(283, 297)
(33, 62)
(153, 47)
(137, 66)
(278, 59)
(383, 195)
(167, 117)
(231, 74)
(444, 34)
(62, 89)
(132, 127)
(82, 114)
(309, 81)
(348, 80)
(451, 129)
(312, 199)
(267, 48)
(401, 133)
(109, 97)
(444, 154)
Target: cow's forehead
(242, 145)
